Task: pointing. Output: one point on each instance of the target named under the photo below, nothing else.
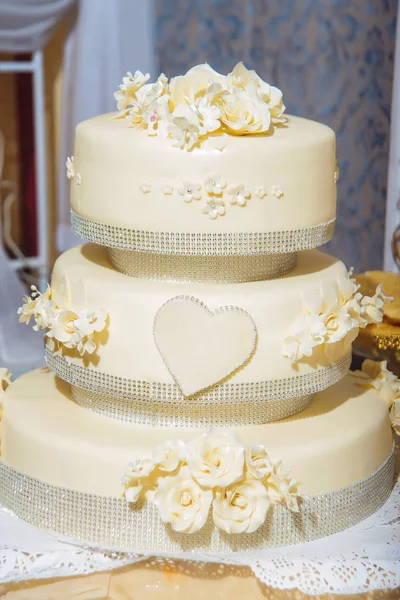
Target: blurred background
(61, 61)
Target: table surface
(176, 581)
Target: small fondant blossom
(242, 507)
(182, 503)
(91, 321)
(215, 185)
(258, 463)
(216, 459)
(78, 179)
(239, 195)
(190, 191)
(169, 455)
(214, 207)
(145, 187)
(277, 191)
(132, 493)
(70, 167)
(168, 189)
(260, 191)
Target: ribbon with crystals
(112, 523)
(162, 404)
(209, 269)
(202, 244)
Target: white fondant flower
(372, 306)
(260, 191)
(243, 112)
(126, 94)
(78, 179)
(90, 321)
(63, 328)
(145, 187)
(184, 88)
(168, 189)
(182, 503)
(150, 108)
(283, 488)
(209, 115)
(277, 191)
(40, 307)
(184, 129)
(215, 185)
(242, 507)
(258, 463)
(216, 459)
(169, 455)
(139, 469)
(395, 416)
(132, 493)
(239, 195)
(386, 383)
(70, 167)
(214, 207)
(242, 78)
(190, 191)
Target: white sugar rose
(243, 112)
(184, 88)
(216, 459)
(63, 328)
(258, 463)
(242, 78)
(182, 503)
(169, 455)
(242, 507)
(395, 416)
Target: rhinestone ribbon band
(212, 269)
(202, 244)
(158, 403)
(112, 523)
(191, 414)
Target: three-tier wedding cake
(197, 395)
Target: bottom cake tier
(61, 468)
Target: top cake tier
(269, 191)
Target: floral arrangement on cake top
(214, 470)
(333, 316)
(192, 107)
(64, 327)
(376, 374)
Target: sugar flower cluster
(376, 374)
(212, 472)
(332, 316)
(202, 103)
(74, 330)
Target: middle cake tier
(170, 348)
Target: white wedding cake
(197, 395)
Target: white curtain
(393, 194)
(108, 39)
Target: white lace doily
(363, 558)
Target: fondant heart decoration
(199, 346)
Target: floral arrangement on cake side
(64, 327)
(213, 471)
(332, 317)
(202, 103)
(375, 374)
